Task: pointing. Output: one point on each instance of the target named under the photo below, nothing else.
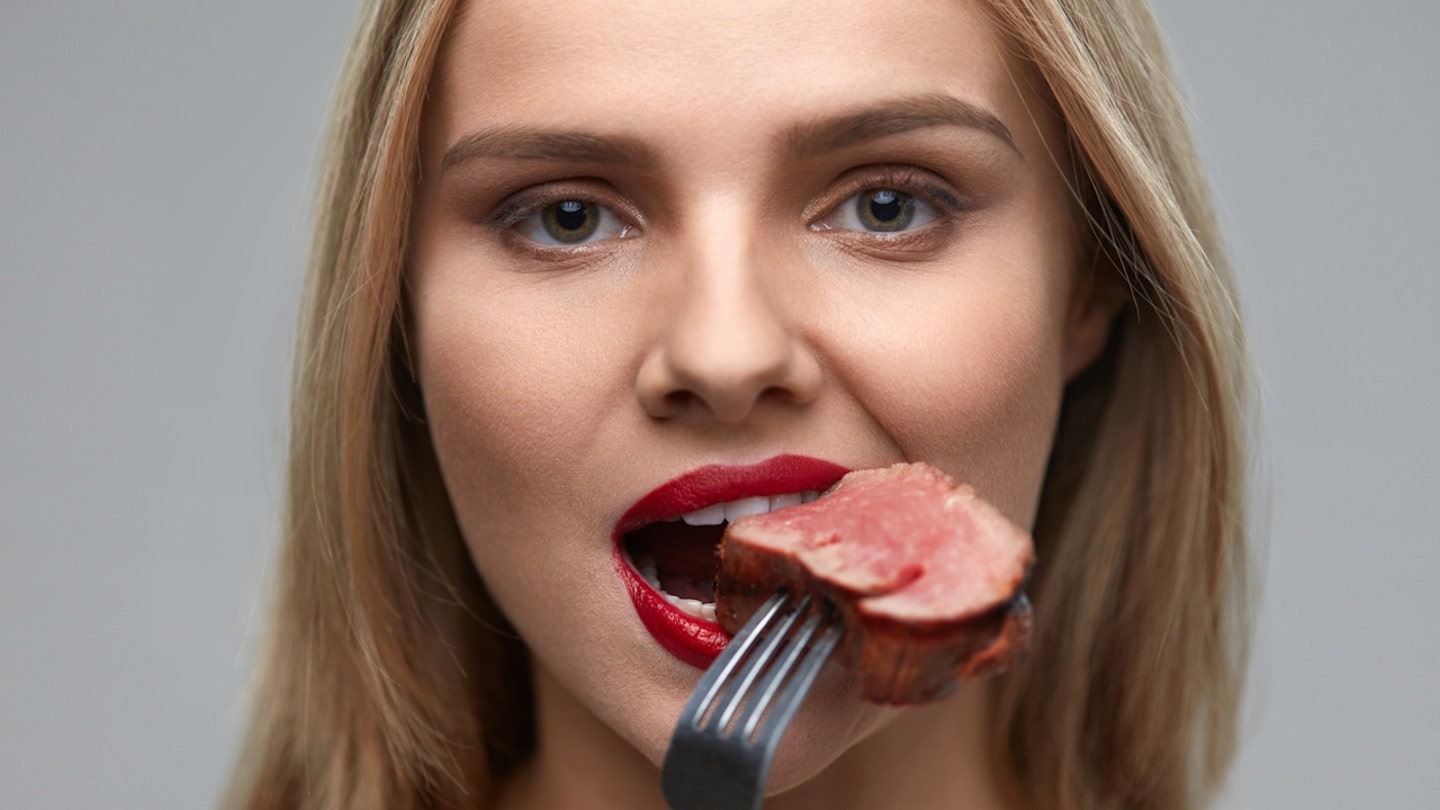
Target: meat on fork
(928, 577)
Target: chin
(832, 722)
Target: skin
(730, 311)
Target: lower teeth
(693, 607)
(645, 564)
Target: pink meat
(927, 577)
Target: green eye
(884, 209)
(566, 222)
(570, 221)
(883, 212)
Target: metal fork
(720, 753)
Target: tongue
(684, 556)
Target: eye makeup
(854, 212)
(886, 211)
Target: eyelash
(915, 182)
(912, 181)
(516, 209)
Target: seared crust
(927, 577)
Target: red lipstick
(695, 641)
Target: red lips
(693, 640)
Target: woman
(575, 257)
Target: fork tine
(717, 676)
(707, 768)
(795, 690)
(775, 678)
(745, 678)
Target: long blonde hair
(391, 681)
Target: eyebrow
(805, 141)
(894, 118)
(524, 143)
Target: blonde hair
(391, 681)
(1142, 602)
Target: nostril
(678, 402)
(679, 399)
(779, 393)
(684, 376)
(723, 405)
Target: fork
(720, 753)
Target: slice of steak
(928, 577)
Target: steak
(927, 577)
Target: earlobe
(1100, 293)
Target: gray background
(154, 164)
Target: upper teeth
(730, 511)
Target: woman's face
(652, 237)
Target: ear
(1099, 293)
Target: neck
(935, 755)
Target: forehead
(681, 72)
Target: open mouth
(666, 543)
(679, 555)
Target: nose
(729, 344)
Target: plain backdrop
(154, 178)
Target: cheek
(516, 389)
(968, 376)
(483, 400)
(510, 411)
